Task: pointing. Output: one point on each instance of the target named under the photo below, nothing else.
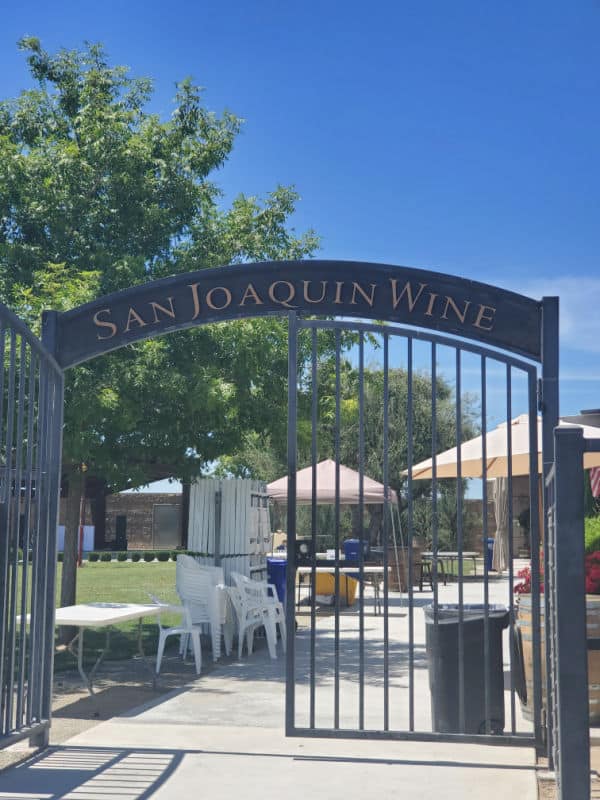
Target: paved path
(222, 737)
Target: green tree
(96, 195)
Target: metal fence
(566, 605)
(31, 398)
(364, 394)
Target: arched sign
(324, 288)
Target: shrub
(60, 556)
(163, 555)
(93, 556)
(149, 555)
(107, 556)
(174, 554)
(592, 534)
(135, 556)
(122, 556)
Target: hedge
(106, 556)
(93, 556)
(592, 534)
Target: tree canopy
(98, 194)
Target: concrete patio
(222, 735)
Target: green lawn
(121, 582)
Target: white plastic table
(102, 615)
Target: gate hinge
(540, 395)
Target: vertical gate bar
(3, 507)
(511, 582)
(386, 528)
(460, 545)
(290, 594)
(361, 513)
(486, 586)
(53, 463)
(336, 689)
(25, 649)
(535, 559)
(5, 678)
(313, 526)
(36, 628)
(571, 679)
(434, 519)
(22, 373)
(409, 466)
(550, 409)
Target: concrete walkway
(222, 737)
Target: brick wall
(139, 510)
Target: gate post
(566, 584)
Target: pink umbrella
(373, 492)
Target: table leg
(87, 679)
(142, 654)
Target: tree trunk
(68, 584)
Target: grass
(120, 582)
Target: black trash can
(442, 661)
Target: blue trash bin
(276, 573)
(352, 549)
(489, 552)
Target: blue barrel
(489, 553)
(276, 573)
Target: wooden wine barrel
(593, 630)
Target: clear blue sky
(462, 137)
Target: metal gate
(384, 398)
(31, 403)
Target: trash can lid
(449, 612)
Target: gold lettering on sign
(283, 301)
(432, 299)
(339, 285)
(450, 303)
(195, 298)
(485, 314)
(407, 290)
(134, 317)
(102, 324)
(369, 298)
(209, 298)
(156, 307)
(251, 293)
(306, 292)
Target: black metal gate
(31, 407)
(384, 398)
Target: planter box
(525, 629)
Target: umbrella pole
(397, 560)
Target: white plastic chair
(256, 610)
(186, 629)
(266, 595)
(205, 600)
(249, 618)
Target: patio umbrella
(497, 453)
(497, 467)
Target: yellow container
(325, 585)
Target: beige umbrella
(497, 453)
(497, 467)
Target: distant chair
(198, 589)
(262, 597)
(185, 629)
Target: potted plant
(525, 639)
